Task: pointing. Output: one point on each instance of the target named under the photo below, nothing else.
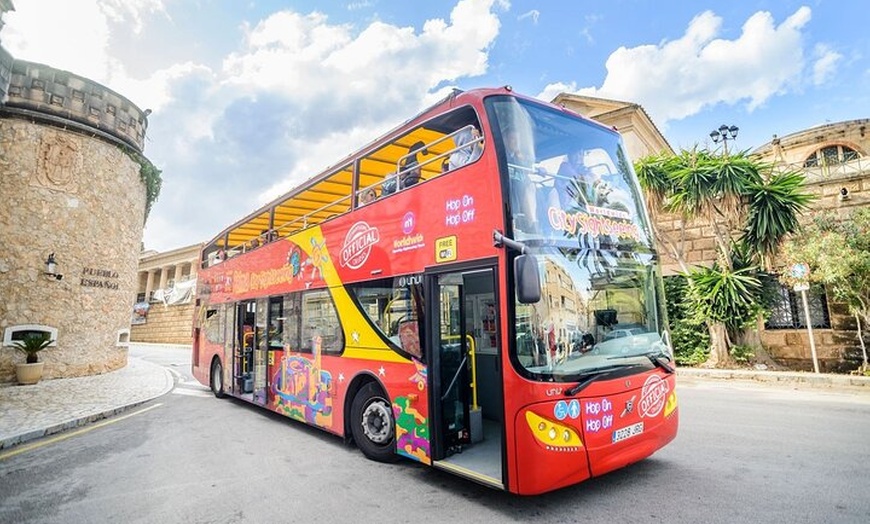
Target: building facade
(164, 302)
(833, 158)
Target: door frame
(432, 305)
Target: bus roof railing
(308, 219)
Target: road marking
(52, 440)
(192, 392)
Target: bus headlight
(547, 433)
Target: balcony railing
(850, 169)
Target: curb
(822, 380)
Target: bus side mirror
(528, 281)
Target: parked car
(624, 332)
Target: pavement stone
(51, 406)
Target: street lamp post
(724, 134)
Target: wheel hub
(376, 422)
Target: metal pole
(810, 331)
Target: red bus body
(444, 225)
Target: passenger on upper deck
(411, 166)
(470, 152)
(367, 196)
(409, 172)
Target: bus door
(243, 348)
(466, 384)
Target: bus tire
(216, 378)
(372, 424)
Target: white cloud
(552, 90)
(534, 14)
(679, 78)
(825, 64)
(28, 27)
(29, 31)
(299, 94)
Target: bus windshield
(575, 203)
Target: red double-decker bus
(477, 290)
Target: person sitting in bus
(367, 196)
(570, 182)
(523, 193)
(411, 166)
(389, 185)
(468, 142)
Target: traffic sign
(800, 271)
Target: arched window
(831, 156)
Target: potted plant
(30, 372)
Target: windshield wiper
(592, 377)
(660, 360)
(656, 358)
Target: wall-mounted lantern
(51, 268)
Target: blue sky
(251, 97)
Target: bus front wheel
(216, 379)
(372, 424)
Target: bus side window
(320, 322)
(292, 323)
(468, 147)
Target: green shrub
(691, 339)
(742, 354)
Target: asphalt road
(745, 453)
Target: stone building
(73, 197)
(833, 157)
(164, 305)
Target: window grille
(788, 312)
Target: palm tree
(749, 209)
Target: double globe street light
(724, 134)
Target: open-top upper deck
(422, 148)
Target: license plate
(628, 432)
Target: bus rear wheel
(216, 379)
(372, 424)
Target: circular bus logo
(408, 222)
(358, 244)
(652, 397)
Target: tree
(749, 207)
(838, 254)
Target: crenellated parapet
(53, 96)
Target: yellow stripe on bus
(384, 355)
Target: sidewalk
(51, 406)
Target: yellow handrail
(471, 354)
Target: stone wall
(81, 198)
(166, 325)
(836, 348)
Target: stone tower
(70, 160)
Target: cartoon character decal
(302, 390)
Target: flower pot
(28, 373)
